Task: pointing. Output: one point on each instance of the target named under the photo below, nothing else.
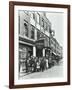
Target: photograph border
(11, 43)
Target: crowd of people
(36, 64)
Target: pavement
(55, 71)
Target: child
(38, 66)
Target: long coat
(43, 64)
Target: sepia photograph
(41, 45)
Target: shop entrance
(39, 52)
(47, 53)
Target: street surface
(55, 71)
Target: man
(26, 64)
(50, 62)
(43, 64)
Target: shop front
(39, 48)
(29, 48)
(25, 51)
(42, 47)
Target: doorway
(39, 52)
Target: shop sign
(40, 44)
(24, 50)
(23, 53)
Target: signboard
(40, 44)
(46, 42)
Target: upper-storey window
(38, 18)
(33, 15)
(32, 32)
(38, 34)
(45, 26)
(26, 29)
(42, 22)
(42, 35)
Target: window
(32, 32)
(33, 16)
(42, 22)
(49, 28)
(46, 26)
(41, 35)
(26, 29)
(38, 18)
(38, 34)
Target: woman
(38, 65)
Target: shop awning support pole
(34, 51)
(43, 52)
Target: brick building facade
(35, 36)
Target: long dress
(46, 63)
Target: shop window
(26, 29)
(22, 58)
